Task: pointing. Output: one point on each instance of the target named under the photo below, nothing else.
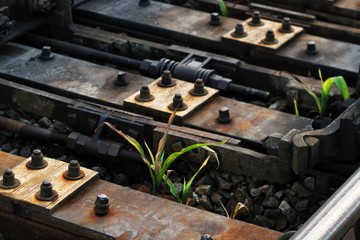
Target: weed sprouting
(158, 165)
(321, 102)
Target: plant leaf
(296, 108)
(162, 142)
(188, 184)
(311, 92)
(170, 159)
(223, 7)
(172, 188)
(342, 86)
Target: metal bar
(338, 214)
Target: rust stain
(9, 161)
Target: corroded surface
(248, 121)
(148, 217)
(164, 96)
(136, 215)
(257, 33)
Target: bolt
(102, 203)
(286, 26)
(144, 3)
(199, 89)
(270, 38)
(37, 160)
(46, 192)
(121, 79)
(239, 31)
(215, 19)
(166, 80)
(178, 103)
(256, 19)
(9, 181)
(46, 53)
(224, 115)
(144, 95)
(206, 237)
(311, 48)
(74, 172)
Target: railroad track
(89, 62)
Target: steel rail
(338, 214)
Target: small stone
(240, 195)
(226, 175)
(206, 203)
(143, 188)
(272, 213)
(25, 151)
(289, 193)
(191, 202)
(300, 190)
(6, 147)
(255, 192)
(277, 216)
(44, 122)
(14, 151)
(203, 190)
(196, 197)
(60, 126)
(270, 202)
(236, 179)
(279, 195)
(264, 188)
(205, 180)
(216, 198)
(178, 187)
(223, 184)
(302, 205)
(121, 179)
(291, 216)
(263, 221)
(309, 183)
(285, 207)
(258, 209)
(214, 174)
(271, 191)
(255, 183)
(225, 194)
(220, 211)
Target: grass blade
(223, 7)
(159, 154)
(342, 86)
(296, 108)
(188, 184)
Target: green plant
(326, 86)
(223, 7)
(158, 165)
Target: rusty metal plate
(30, 181)
(157, 18)
(136, 215)
(249, 121)
(164, 96)
(148, 217)
(256, 34)
(76, 78)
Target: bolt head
(37, 152)
(8, 172)
(102, 200)
(46, 184)
(206, 237)
(215, 19)
(73, 162)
